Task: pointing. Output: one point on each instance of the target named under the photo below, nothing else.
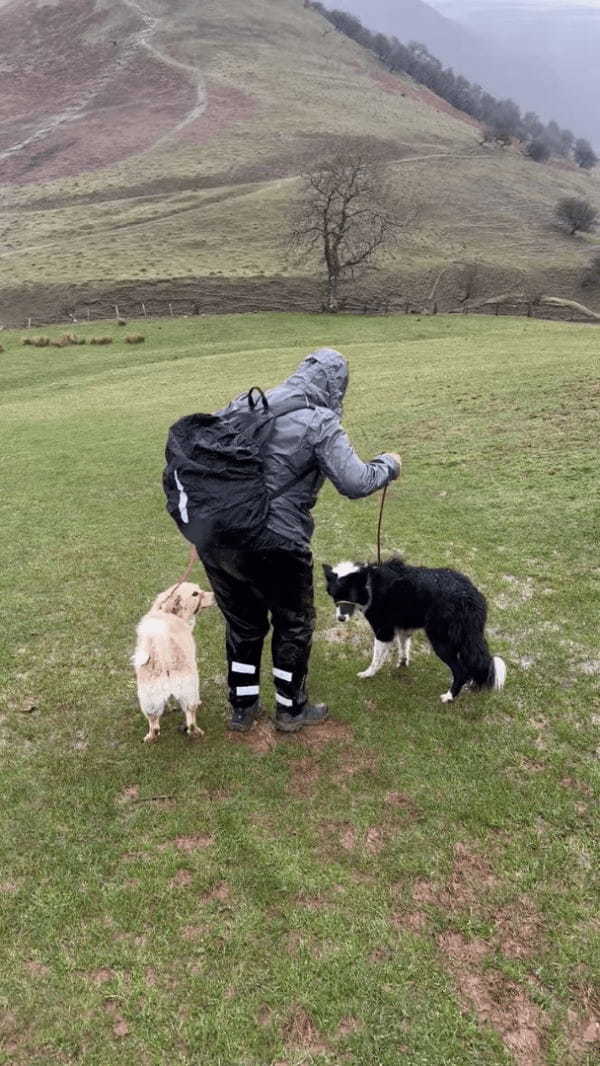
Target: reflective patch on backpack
(183, 500)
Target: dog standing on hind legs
(396, 598)
(165, 656)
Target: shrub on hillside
(575, 214)
(497, 135)
(135, 338)
(584, 154)
(539, 150)
(101, 340)
(591, 274)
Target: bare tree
(346, 213)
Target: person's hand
(396, 459)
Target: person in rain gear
(275, 576)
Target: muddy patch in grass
(220, 893)
(102, 976)
(353, 761)
(261, 739)
(374, 839)
(584, 1026)
(498, 1002)
(182, 879)
(471, 877)
(301, 1034)
(413, 922)
(517, 929)
(315, 738)
(348, 1026)
(403, 808)
(194, 932)
(120, 1027)
(305, 774)
(189, 844)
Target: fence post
(497, 308)
(171, 310)
(144, 310)
(28, 323)
(117, 315)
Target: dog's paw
(447, 697)
(151, 738)
(366, 673)
(194, 732)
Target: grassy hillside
(407, 883)
(158, 143)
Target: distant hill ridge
(502, 117)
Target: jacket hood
(322, 378)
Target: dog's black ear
(328, 571)
(364, 576)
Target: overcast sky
(533, 3)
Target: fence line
(187, 308)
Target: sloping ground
(139, 143)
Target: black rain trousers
(255, 589)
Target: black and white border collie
(396, 598)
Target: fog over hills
(541, 53)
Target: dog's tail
(150, 644)
(485, 670)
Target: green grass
(411, 884)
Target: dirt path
(152, 24)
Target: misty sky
(456, 4)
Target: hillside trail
(152, 25)
(141, 39)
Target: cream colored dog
(165, 656)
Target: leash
(192, 559)
(381, 506)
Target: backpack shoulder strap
(287, 408)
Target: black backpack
(214, 478)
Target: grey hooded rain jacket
(310, 445)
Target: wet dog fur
(165, 656)
(396, 599)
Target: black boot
(307, 714)
(242, 718)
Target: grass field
(282, 91)
(408, 883)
